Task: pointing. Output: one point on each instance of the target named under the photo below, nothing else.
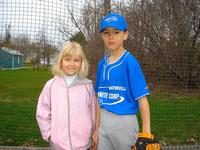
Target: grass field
(175, 119)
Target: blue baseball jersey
(119, 85)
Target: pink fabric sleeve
(43, 113)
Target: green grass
(175, 119)
(19, 90)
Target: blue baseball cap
(113, 20)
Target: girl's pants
(117, 132)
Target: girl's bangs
(70, 52)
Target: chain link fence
(163, 35)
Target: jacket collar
(78, 80)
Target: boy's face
(113, 38)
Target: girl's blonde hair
(71, 48)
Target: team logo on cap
(113, 18)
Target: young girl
(66, 106)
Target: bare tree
(88, 26)
(1, 40)
(7, 38)
(22, 44)
(35, 54)
(164, 35)
(44, 48)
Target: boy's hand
(146, 142)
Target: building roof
(12, 52)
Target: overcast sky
(30, 17)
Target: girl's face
(71, 64)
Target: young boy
(121, 89)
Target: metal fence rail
(190, 147)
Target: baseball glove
(146, 142)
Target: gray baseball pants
(117, 132)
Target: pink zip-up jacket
(66, 115)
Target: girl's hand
(95, 137)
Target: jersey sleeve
(136, 80)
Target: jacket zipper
(69, 127)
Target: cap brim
(112, 26)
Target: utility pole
(107, 7)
